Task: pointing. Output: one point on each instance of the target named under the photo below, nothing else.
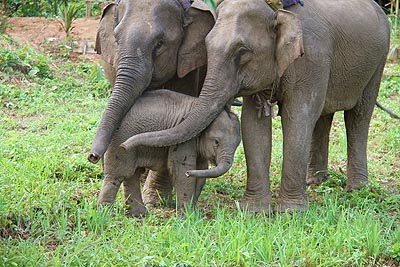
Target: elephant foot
(256, 205)
(137, 211)
(157, 190)
(317, 179)
(155, 199)
(285, 205)
(356, 185)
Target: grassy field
(49, 111)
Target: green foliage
(394, 250)
(98, 81)
(42, 8)
(54, 4)
(32, 8)
(3, 22)
(23, 60)
(390, 85)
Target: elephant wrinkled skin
(314, 60)
(162, 109)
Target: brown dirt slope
(38, 30)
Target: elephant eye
(243, 55)
(158, 48)
(243, 50)
(159, 44)
(216, 142)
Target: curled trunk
(222, 167)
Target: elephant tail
(391, 113)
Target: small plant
(68, 15)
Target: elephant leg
(257, 140)
(202, 164)
(318, 162)
(297, 134)
(183, 158)
(110, 189)
(157, 189)
(133, 195)
(357, 122)
(302, 105)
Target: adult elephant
(313, 60)
(149, 45)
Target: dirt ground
(37, 31)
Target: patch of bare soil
(38, 31)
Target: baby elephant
(159, 110)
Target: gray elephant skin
(313, 60)
(149, 45)
(157, 110)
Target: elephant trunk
(133, 77)
(205, 109)
(222, 167)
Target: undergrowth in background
(49, 111)
(44, 8)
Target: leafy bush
(24, 60)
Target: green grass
(48, 189)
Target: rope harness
(265, 100)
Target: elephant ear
(199, 20)
(289, 45)
(106, 45)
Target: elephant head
(148, 43)
(218, 143)
(248, 49)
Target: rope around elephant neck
(266, 100)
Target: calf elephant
(162, 109)
(313, 60)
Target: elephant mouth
(213, 161)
